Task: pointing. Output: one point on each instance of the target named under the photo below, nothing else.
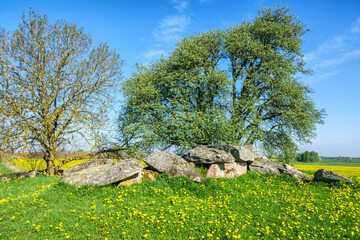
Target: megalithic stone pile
(222, 161)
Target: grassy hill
(252, 206)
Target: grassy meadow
(252, 206)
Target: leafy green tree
(178, 101)
(235, 86)
(308, 157)
(314, 157)
(298, 157)
(54, 85)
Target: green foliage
(308, 157)
(177, 101)
(235, 86)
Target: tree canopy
(235, 86)
(54, 85)
(308, 157)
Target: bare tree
(54, 85)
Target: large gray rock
(329, 176)
(5, 179)
(257, 154)
(205, 155)
(137, 178)
(294, 172)
(100, 163)
(33, 173)
(226, 170)
(265, 166)
(101, 172)
(240, 153)
(172, 164)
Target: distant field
(39, 164)
(331, 163)
(348, 168)
(348, 171)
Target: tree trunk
(50, 163)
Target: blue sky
(141, 31)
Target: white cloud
(356, 26)
(171, 27)
(327, 74)
(339, 58)
(154, 53)
(180, 5)
(330, 46)
(320, 76)
(169, 30)
(330, 56)
(355, 53)
(338, 50)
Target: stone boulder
(33, 173)
(5, 179)
(100, 163)
(226, 170)
(265, 166)
(329, 176)
(294, 172)
(257, 154)
(204, 155)
(144, 174)
(240, 153)
(101, 172)
(172, 164)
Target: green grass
(252, 206)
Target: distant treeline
(344, 159)
(308, 157)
